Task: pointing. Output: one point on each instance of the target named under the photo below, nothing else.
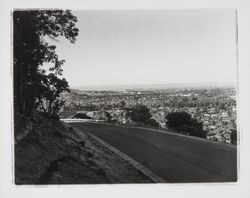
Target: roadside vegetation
(214, 107)
(141, 114)
(182, 122)
(46, 150)
(37, 89)
(50, 152)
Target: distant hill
(154, 86)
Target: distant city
(211, 104)
(123, 96)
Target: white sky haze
(117, 47)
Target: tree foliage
(34, 88)
(81, 116)
(140, 113)
(153, 123)
(184, 123)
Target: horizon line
(155, 85)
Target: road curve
(175, 158)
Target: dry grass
(52, 153)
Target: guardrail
(80, 120)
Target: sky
(135, 47)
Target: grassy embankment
(50, 152)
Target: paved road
(175, 158)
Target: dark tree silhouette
(183, 122)
(140, 113)
(176, 119)
(81, 116)
(32, 86)
(153, 123)
(48, 94)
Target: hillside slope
(49, 152)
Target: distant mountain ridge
(155, 86)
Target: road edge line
(136, 164)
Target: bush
(182, 122)
(191, 130)
(81, 116)
(176, 119)
(141, 113)
(234, 136)
(153, 123)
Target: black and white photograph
(125, 96)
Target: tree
(140, 113)
(48, 94)
(81, 116)
(183, 122)
(153, 123)
(176, 119)
(31, 51)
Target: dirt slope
(49, 152)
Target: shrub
(176, 119)
(81, 116)
(182, 122)
(141, 113)
(191, 130)
(234, 136)
(153, 123)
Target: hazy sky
(151, 47)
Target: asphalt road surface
(175, 158)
